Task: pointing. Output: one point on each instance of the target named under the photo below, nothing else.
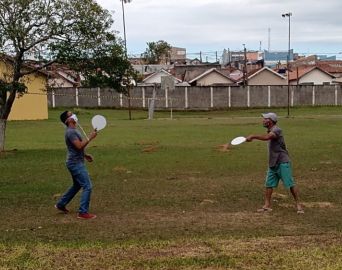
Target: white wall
(213, 78)
(316, 77)
(266, 77)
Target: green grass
(167, 199)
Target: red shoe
(62, 208)
(85, 216)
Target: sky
(208, 26)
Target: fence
(216, 97)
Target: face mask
(266, 124)
(73, 116)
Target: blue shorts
(282, 171)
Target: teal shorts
(282, 171)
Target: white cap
(271, 116)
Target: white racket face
(98, 122)
(238, 140)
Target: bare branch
(34, 70)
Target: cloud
(217, 24)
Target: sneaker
(85, 216)
(62, 208)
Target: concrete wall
(218, 97)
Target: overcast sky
(213, 25)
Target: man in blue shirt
(75, 164)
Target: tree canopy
(77, 33)
(73, 32)
(157, 52)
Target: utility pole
(289, 14)
(269, 39)
(125, 43)
(245, 66)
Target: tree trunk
(2, 134)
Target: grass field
(166, 198)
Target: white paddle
(238, 140)
(98, 122)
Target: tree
(157, 52)
(73, 32)
(108, 67)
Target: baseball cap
(271, 116)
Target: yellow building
(33, 105)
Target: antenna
(269, 39)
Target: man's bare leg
(267, 204)
(294, 192)
(268, 196)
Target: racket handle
(83, 131)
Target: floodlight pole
(125, 43)
(289, 14)
(124, 25)
(244, 66)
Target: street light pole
(125, 43)
(289, 14)
(244, 66)
(124, 24)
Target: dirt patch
(120, 169)
(207, 202)
(279, 196)
(8, 152)
(150, 149)
(223, 148)
(319, 205)
(310, 205)
(248, 253)
(160, 219)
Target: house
(310, 75)
(232, 56)
(151, 68)
(265, 76)
(333, 67)
(304, 61)
(136, 60)
(193, 62)
(211, 77)
(178, 55)
(338, 81)
(62, 77)
(188, 72)
(233, 73)
(33, 105)
(155, 78)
